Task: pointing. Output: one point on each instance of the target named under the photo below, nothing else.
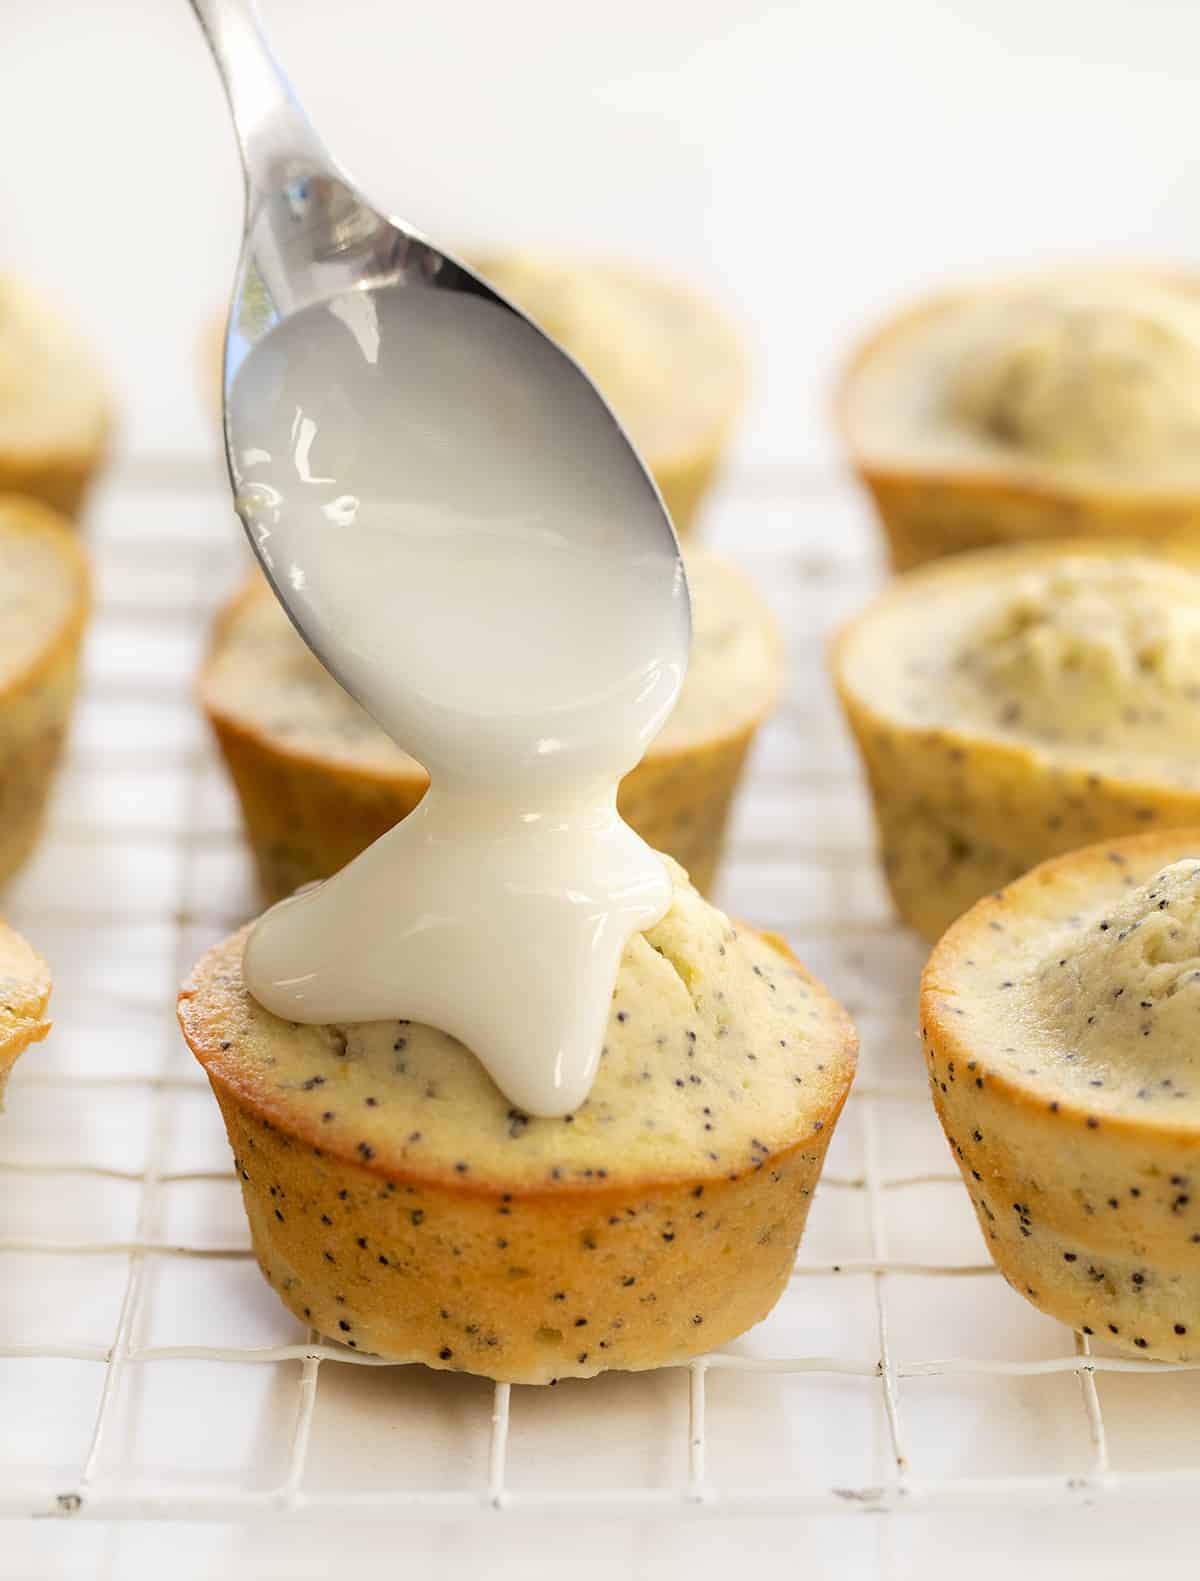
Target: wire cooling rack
(146, 1371)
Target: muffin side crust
(1014, 704)
(1058, 1025)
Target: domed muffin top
(1090, 654)
(1079, 984)
(1089, 374)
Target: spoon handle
(277, 141)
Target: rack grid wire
(124, 1260)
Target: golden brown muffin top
(720, 1053)
(1086, 376)
(260, 676)
(24, 994)
(1078, 986)
(663, 356)
(52, 395)
(43, 584)
(1089, 654)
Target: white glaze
(473, 550)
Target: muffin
(662, 355)
(399, 1203)
(318, 780)
(55, 414)
(1059, 1021)
(1012, 704)
(43, 607)
(24, 995)
(1039, 408)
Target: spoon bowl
(315, 249)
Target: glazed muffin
(1059, 1020)
(1038, 408)
(662, 355)
(43, 608)
(55, 413)
(1014, 704)
(24, 995)
(318, 780)
(399, 1203)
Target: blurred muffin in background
(319, 781)
(55, 410)
(1014, 704)
(661, 354)
(44, 596)
(1059, 406)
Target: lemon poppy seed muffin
(399, 1203)
(318, 781)
(1061, 1023)
(24, 995)
(1036, 408)
(43, 608)
(662, 355)
(1013, 704)
(55, 412)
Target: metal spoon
(310, 236)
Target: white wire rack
(146, 1372)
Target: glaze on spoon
(471, 546)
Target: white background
(810, 164)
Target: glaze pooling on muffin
(1086, 372)
(707, 1055)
